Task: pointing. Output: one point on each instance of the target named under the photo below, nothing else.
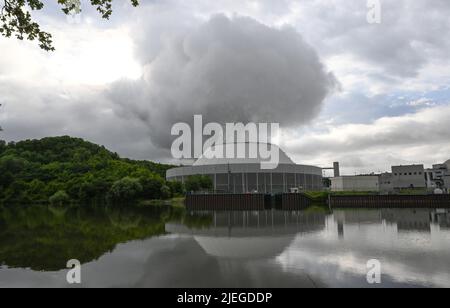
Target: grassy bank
(175, 202)
(321, 197)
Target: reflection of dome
(239, 242)
(251, 234)
(244, 247)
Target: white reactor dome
(208, 156)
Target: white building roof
(208, 157)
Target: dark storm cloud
(228, 70)
(79, 112)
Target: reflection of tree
(45, 239)
(197, 221)
(125, 221)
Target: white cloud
(421, 102)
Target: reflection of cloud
(415, 258)
(349, 264)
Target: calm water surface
(168, 247)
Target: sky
(367, 95)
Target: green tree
(17, 192)
(53, 187)
(205, 182)
(166, 193)
(177, 188)
(197, 183)
(59, 198)
(12, 164)
(152, 186)
(126, 189)
(36, 190)
(15, 18)
(11, 169)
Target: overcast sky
(367, 95)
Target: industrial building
(408, 177)
(356, 183)
(246, 175)
(386, 184)
(403, 177)
(438, 177)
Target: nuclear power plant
(246, 175)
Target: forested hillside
(65, 169)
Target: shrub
(59, 198)
(198, 183)
(165, 192)
(126, 189)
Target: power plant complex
(404, 177)
(246, 175)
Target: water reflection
(412, 247)
(251, 235)
(167, 247)
(44, 239)
(403, 219)
(409, 220)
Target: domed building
(247, 175)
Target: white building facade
(367, 183)
(245, 175)
(408, 177)
(438, 177)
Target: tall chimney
(337, 172)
